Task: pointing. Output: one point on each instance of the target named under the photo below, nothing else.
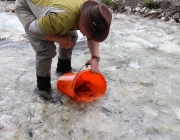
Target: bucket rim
(83, 71)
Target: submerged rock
(10, 8)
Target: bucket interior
(89, 86)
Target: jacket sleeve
(35, 30)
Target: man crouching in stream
(46, 22)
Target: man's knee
(45, 49)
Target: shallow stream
(140, 61)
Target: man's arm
(93, 47)
(94, 50)
(64, 41)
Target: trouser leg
(45, 50)
(23, 12)
(64, 55)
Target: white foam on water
(133, 66)
(170, 48)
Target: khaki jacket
(56, 16)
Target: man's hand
(65, 42)
(94, 65)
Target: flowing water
(140, 61)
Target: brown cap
(96, 20)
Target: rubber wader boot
(43, 83)
(44, 90)
(63, 66)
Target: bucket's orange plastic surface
(84, 86)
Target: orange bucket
(83, 86)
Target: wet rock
(172, 21)
(163, 18)
(30, 133)
(167, 8)
(10, 8)
(137, 9)
(143, 10)
(5, 36)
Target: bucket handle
(78, 73)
